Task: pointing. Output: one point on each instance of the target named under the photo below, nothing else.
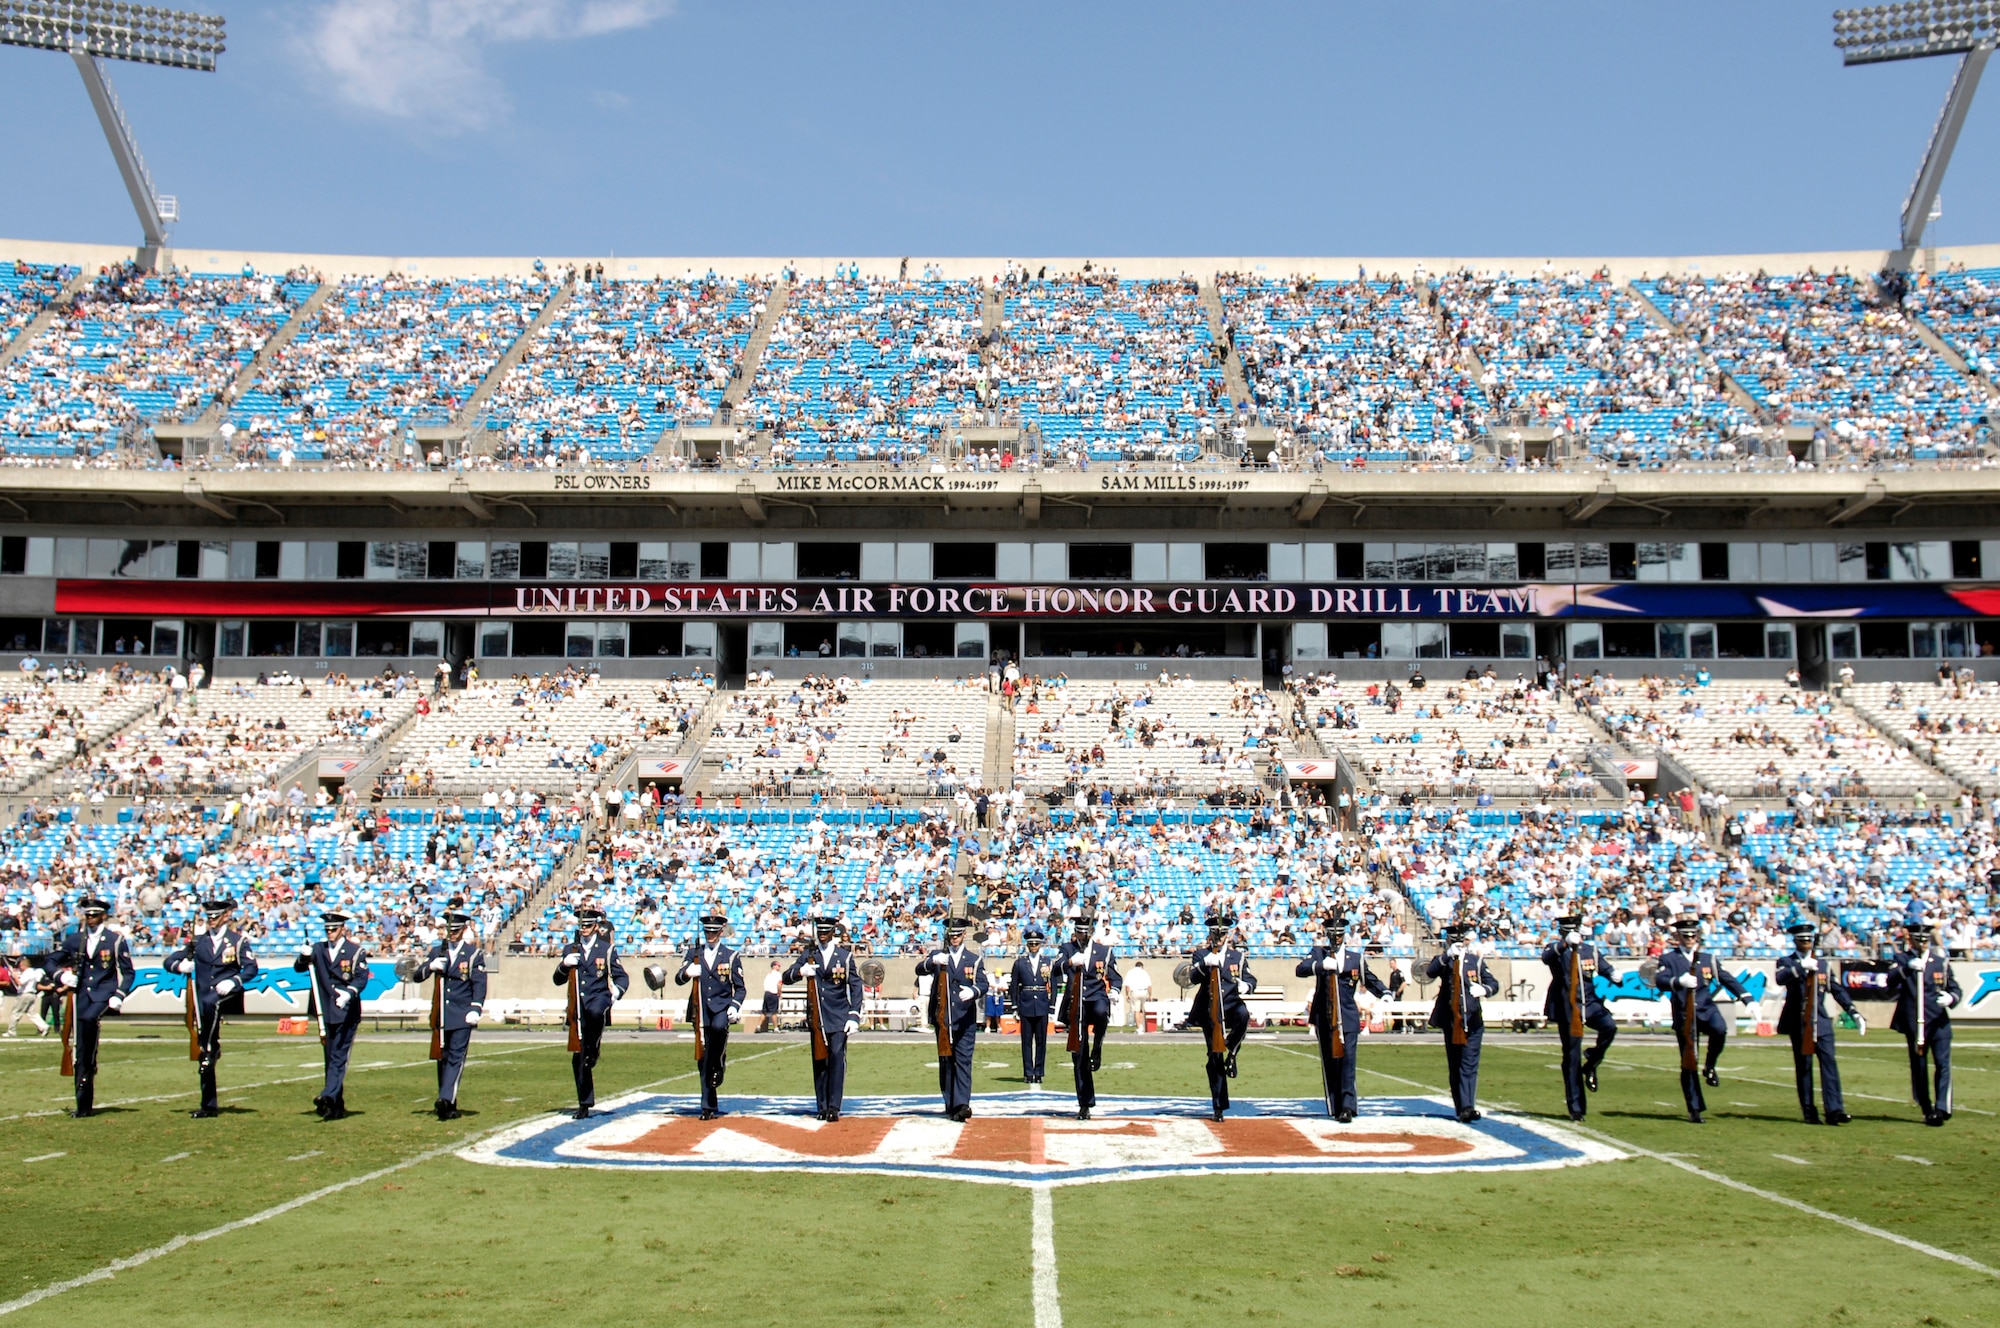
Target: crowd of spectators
(620, 363)
(25, 290)
(834, 734)
(1355, 370)
(1954, 725)
(864, 369)
(1823, 349)
(133, 348)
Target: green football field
(270, 1216)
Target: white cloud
(425, 60)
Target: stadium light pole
(93, 31)
(1968, 29)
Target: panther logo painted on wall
(1031, 1139)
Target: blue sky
(783, 128)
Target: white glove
(1915, 965)
(472, 1018)
(1572, 938)
(184, 967)
(1947, 1000)
(1076, 961)
(68, 979)
(226, 986)
(305, 952)
(1329, 965)
(571, 960)
(734, 1011)
(117, 1002)
(1860, 1024)
(808, 970)
(1454, 951)
(1686, 980)
(694, 970)
(1212, 961)
(938, 957)
(340, 999)
(437, 965)
(853, 1027)
(966, 993)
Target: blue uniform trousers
(1337, 1072)
(455, 1043)
(714, 1059)
(955, 1071)
(1034, 1046)
(830, 1075)
(1461, 1061)
(1235, 1023)
(334, 1052)
(1829, 1076)
(1575, 1060)
(1711, 1022)
(1083, 1064)
(1931, 1085)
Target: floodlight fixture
(1968, 29)
(93, 31)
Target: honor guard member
(1925, 991)
(1093, 966)
(600, 982)
(95, 965)
(1573, 1006)
(1466, 983)
(1337, 970)
(1217, 956)
(717, 972)
(1808, 979)
(833, 967)
(218, 961)
(461, 965)
(1029, 987)
(962, 971)
(339, 969)
(1685, 969)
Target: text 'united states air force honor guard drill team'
(91, 972)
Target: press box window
(968, 561)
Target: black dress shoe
(204, 1113)
(582, 1113)
(1694, 1118)
(1590, 1077)
(320, 1106)
(833, 1118)
(1943, 1116)
(1083, 1113)
(1472, 1115)
(1217, 1113)
(1933, 1118)
(1345, 1117)
(1837, 1118)
(1096, 1064)
(1711, 1078)
(1812, 1117)
(83, 1113)
(706, 1114)
(1229, 1065)
(335, 1112)
(1576, 1116)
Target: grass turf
(443, 1241)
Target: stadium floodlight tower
(1968, 29)
(93, 31)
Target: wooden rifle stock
(1576, 991)
(1329, 992)
(697, 1016)
(437, 1013)
(1923, 1000)
(1457, 1031)
(68, 1069)
(1218, 1029)
(193, 1019)
(814, 1025)
(941, 1009)
(575, 1016)
(1690, 1060)
(1809, 1010)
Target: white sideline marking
(1674, 1160)
(1787, 1157)
(1772, 1083)
(1806, 1208)
(300, 1157)
(44, 1157)
(1048, 1300)
(177, 1157)
(146, 1256)
(1920, 1161)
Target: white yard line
(1838, 1219)
(1773, 1083)
(1048, 1300)
(146, 1256)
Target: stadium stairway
(992, 314)
(468, 414)
(753, 349)
(212, 414)
(1738, 393)
(1218, 328)
(39, 324)
(997, 768)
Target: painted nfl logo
(1031, 1139)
